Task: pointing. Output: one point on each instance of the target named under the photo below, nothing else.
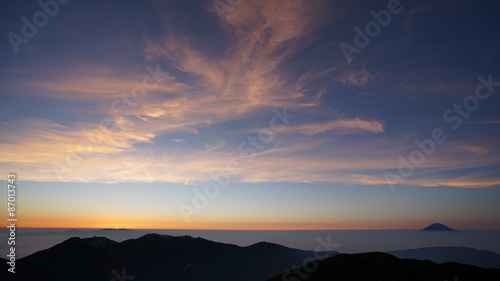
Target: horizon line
(228, 229)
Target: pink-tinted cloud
(343, 126)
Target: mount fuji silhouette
(437, 227)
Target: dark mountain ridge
(483, 259)
(384, 267)
(157, 257)
(162, 257)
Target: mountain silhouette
(384, 267)
(437, 227)
(157, 257)
(154, 257)
(484, 259)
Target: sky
(251, 114)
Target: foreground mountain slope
(385, 267)
(161, 257)
(158, 257)
(4, 274)
(483, 259)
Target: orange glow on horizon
(226, 226)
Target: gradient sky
(96, 141)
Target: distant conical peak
(439, 227)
